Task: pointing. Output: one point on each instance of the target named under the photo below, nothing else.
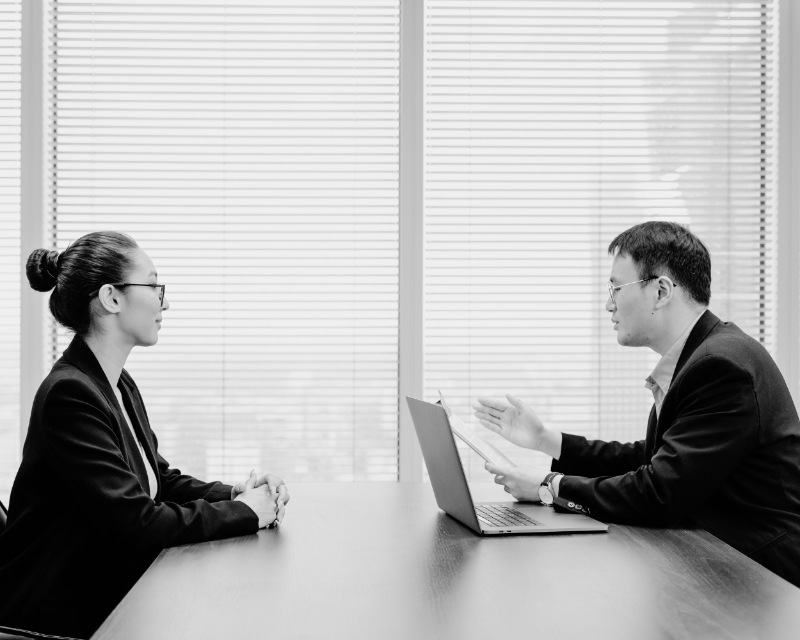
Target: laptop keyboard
(501, 516)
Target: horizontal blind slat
(10, 201)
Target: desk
(380, 561)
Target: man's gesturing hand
(514, 420)
(521, 483)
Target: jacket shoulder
(67, 380)
(727, 340)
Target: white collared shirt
(660, 379)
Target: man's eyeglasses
(160, 287)
(612, 288)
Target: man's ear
(109, 299)
(666, 291)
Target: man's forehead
(622, 268)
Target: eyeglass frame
(613, 288)
(162, 287)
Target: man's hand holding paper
(522, 484)
(519, 424)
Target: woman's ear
(109, 299)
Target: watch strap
(548, 479)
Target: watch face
(545, 496)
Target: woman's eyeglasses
(160, 287)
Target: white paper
(484, 449)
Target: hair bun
(42, 269)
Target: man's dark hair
(668, 249)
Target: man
(723, 439)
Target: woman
(93, 502)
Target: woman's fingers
(236, 490)
(244, 486)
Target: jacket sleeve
(716, 425)
(593, 458)
(83, 450)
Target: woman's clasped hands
(267, 496)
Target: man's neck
(110, 354)
(674, 328)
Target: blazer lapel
(80, 355)
(700, 332)
(652, 423)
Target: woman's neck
(110, 354)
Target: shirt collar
(665, 369)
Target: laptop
(453, 495)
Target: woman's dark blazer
(82, 527)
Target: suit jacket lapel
(652, 423)
(698, 335)
(700, 332)
(80, 355)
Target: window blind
(10, 61)
(251, 148)
(552, 126)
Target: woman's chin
(149, 342)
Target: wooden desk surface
(380, 561)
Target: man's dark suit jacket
(82, 527)
(724, 451)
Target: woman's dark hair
(668, 249)
(76, 273)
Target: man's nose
(610, 305)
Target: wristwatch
(546, 492)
